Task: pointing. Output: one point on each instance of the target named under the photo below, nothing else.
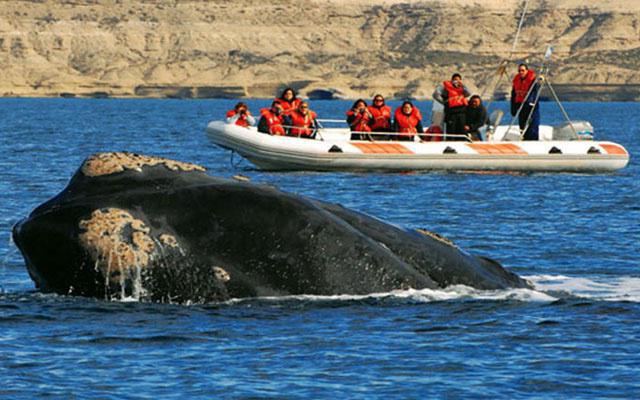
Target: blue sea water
(577, 237)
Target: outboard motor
(582, 130)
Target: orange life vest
(521, 86)
(407, 123)
(381, 117)
(288, 107)
(360, 122)
(274, 122)
(302, 125)
(242, 121)
(455, 95)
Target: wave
(624, 288)
(546, 288)
(451, 293)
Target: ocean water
(577, 237)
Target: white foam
(547, 288)
(625, 288)
(456, 292)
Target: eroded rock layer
(351, 48)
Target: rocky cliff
(351, 48)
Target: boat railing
(417, 137)
(315, 132)
(380, 136)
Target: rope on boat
(234, 165)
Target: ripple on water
(575, 236)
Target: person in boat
(453, 96)
(381, 114)
(524, 93)
(476, 118)
(407, 121)
(240, 115)
(288, 100)
(302, 122)
(271, 120)
(360, 120)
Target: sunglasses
(304, 108)
(378, 100)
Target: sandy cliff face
(353, 48)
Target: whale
(161, 230)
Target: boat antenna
(502, 67)
(515, 40)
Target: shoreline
(566, 92)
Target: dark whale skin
(176, 234)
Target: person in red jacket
(360, 120)
(407, 121)
(272, 120)
(288, 101)
(453, 95)
(381, 115)
(302, 122)
(240, 116)
(524, 94)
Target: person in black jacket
(476, 117)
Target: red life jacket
(407, 123)
(381, 117)
(288, 107)
(360, 122)
(433, 138)
(455, 95)
(302, 125)
(521, 86)
(242, 121)
(274, 122)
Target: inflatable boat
(560, 149)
